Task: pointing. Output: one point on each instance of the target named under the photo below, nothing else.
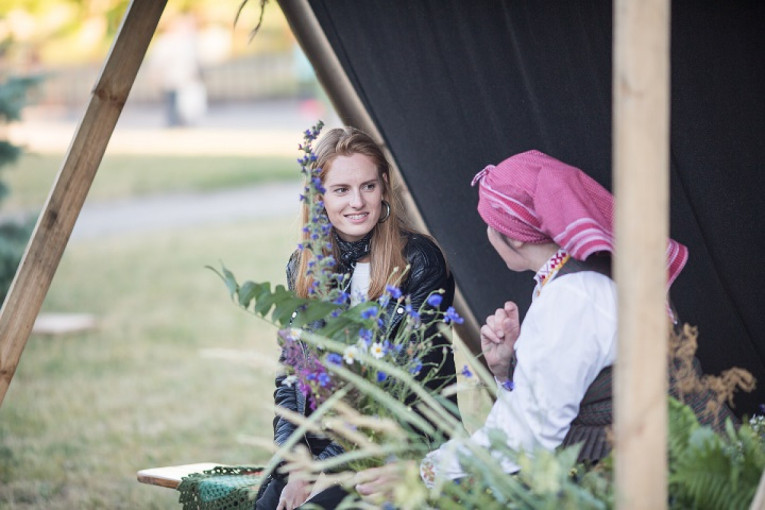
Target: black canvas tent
(452, 86)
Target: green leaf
(247, 293)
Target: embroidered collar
(550, 268)
(352, 251)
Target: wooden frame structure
(641, 157)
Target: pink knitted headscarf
(535, 198)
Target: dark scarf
(352, 251)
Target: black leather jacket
(428, 272)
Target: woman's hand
(377, 484)
(294, 494)
(498, 338)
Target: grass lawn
(150, 386)
(122, 176)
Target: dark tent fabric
(454, 85)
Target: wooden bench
(170, 476)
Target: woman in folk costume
(554, 370)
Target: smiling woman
(353, 198)
(359, 228)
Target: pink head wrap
(535, 198)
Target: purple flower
(366, 335)
(334, 358)
(395, 292)
(508, 385)
(381, 376)
(452, 316)
(323, 379)
(435, 299)
(369, 313)
(342, 298)
(412, 312)
(466, 371)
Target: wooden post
(55, 224)
(641, 184)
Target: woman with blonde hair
(373, 247)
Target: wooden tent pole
(351, 110)
(55, 224)
(641, 183)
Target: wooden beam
(641, 184)
(351, 111)
(73, 181)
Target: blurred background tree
(14, 234)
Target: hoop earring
(383, 219)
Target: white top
(567, 337)
(360, 283)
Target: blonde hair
(387, 243)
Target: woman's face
(513, 259)
(353, 197)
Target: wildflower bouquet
(354, 364)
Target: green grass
(122, 176)
(84, 412)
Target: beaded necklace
(550, 269)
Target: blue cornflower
(466, 371)
(452, 316)
(369, 313)
(381, 376)
(342, 298)
(384, 300)
(366, 335)
(412, 312)
(324, 379)
(435, 299)
(334, 358)
(508, 385)
(394, 291)
(416, 366)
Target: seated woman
(369, 240)
(552, 371)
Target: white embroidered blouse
(567, 337)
